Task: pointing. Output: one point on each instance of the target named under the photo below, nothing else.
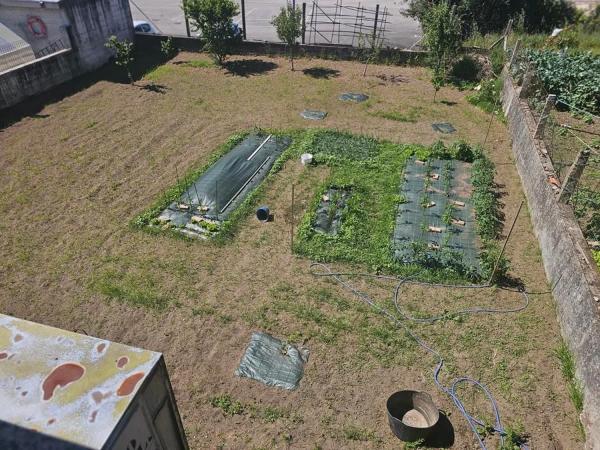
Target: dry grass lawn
(74, 175)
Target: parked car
(141, 26)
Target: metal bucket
(262, 213)
(412, 415)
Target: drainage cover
(353, 97)
(273, 362)
(444, 127)
(312, 114)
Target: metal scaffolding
(343, 24)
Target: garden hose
(474, 422)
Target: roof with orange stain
(67, 385)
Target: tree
(288, 24)
(489, 16)
(214, 20)
(123, 54)
(369, 49)
(442, 37)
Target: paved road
(167, 16)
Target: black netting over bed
(329, 214)
(219, 190)
(437, 215)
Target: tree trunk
(292, 56)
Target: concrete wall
(32, 78)
(84, 26)
(15, 14)
(151, 42)
(566, 256)
(92, 23)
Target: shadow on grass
(442, 434)
(394, 79)
(144, 62)
(249, 67)
(321, 72)
(448, 103)
(153, 87)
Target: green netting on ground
(273, 362)
(443, 127)
(353, 97)
(312, 114)
(436, 204)
(219, 190)
(329, 214)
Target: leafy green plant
(575, 77)
(485, 201)
(214, 20)
(168, 48)
(447, 215)
(228, 405)
(288, 24)
(488, 96)
(123, 54)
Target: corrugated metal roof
(7, 37)
(67, 385)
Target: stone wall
(567, 260)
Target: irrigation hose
(473, 422)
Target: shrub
(488, 96)
(123, 54)
(466, 69)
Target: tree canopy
(488, 16)
(214, 20)
(288, 24)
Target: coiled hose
(325, 271)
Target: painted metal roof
(67, 385)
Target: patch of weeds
(203, 311)
(261, 318)
(567, 368)
(411, 116)
(159, 72)
(324, 295)
(199, 64)
(488, 96)
(414, 445)
(134, 289)
(271, 414)
(354, 433)
(514, 438)
(91, 124)
(229, 406)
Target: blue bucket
(262, 213)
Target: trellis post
(550, 102)
(573, 176)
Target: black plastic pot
(262, 213)
(412, 415)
